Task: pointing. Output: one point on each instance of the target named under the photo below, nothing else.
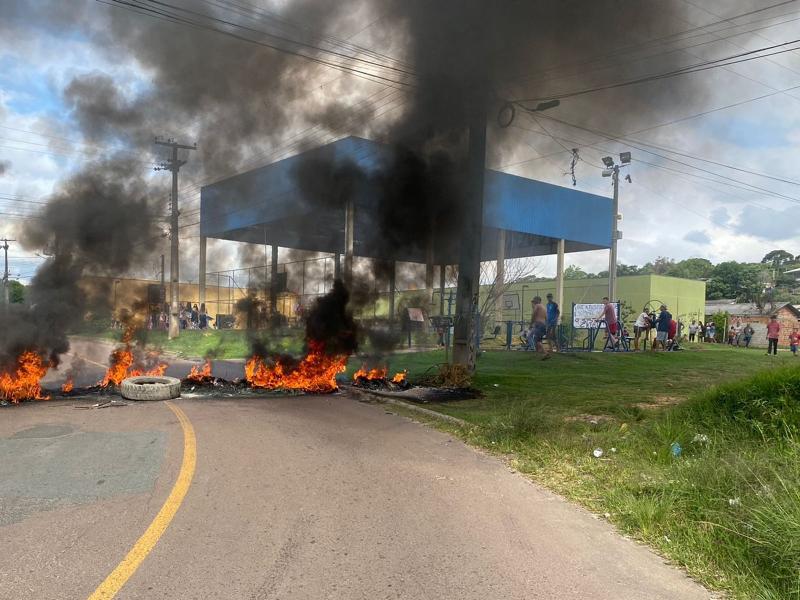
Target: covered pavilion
(521, 217)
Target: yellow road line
(119, 576)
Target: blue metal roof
(265, 205)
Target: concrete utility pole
(612, 170)
(469, 264)
(174, 165)
(612, 255)
(5, 271)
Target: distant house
(758, 317)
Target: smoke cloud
(238, 100)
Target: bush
(767, 403)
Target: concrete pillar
(429, 270)
(273, 281)
(560, 276)
(500, 279)
(201, 275)
(392, 283)
(442, 277)
(349, 225)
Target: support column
(392, 282)
(429, 270)
(442, 277)
(500, 278)
(349, 224)
(560, 276)
(201, 275)
(273, 281)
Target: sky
(678, 203)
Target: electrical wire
(695, 68)
(159, 14)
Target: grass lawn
(727, 508)
(232, 343)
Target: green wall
(685, 298)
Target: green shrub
(767, 403)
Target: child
(794, 340)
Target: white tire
(147, 387)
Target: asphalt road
(301, 497)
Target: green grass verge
(727, 509)
(211, 343)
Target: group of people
(707, 332)
(193, 317)
(542, 333)
(544, 324)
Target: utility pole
(612, 170)
(174, 165)
(5, 271)
(469, 264)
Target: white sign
(590, 316)
(511, 301)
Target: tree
(16, 292)
(662, 265)
(575, 272)
(731, 279)
(623, 269)
(692, 268)
(777, 258)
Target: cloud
(720, 216)
(697, 237)
(768, 223)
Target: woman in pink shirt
(773, 332)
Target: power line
(157, 14)
(695, 68)
(627, 49)
(628, 141)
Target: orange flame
(67, 386)
(371, 375)
(122, 360)
(23, 383)
(400, 377)
(199, 375)
(315, 373)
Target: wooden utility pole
(174, 165)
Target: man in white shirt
(641, 326)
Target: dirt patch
(589, 419)
(659, 402)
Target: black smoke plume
(240, 100)
(97, 223)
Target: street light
(612, 170)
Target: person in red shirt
(773, 333)
(794, 340)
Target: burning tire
(147, 387)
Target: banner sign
(590, 316)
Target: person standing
(711, 332)
(609, 314)
(641, 326)
(747, 334)
(662, 327)
(702, 336)
(693, 327)
(539, 322)
(553, 312)
(773, 333)
(794, 340)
